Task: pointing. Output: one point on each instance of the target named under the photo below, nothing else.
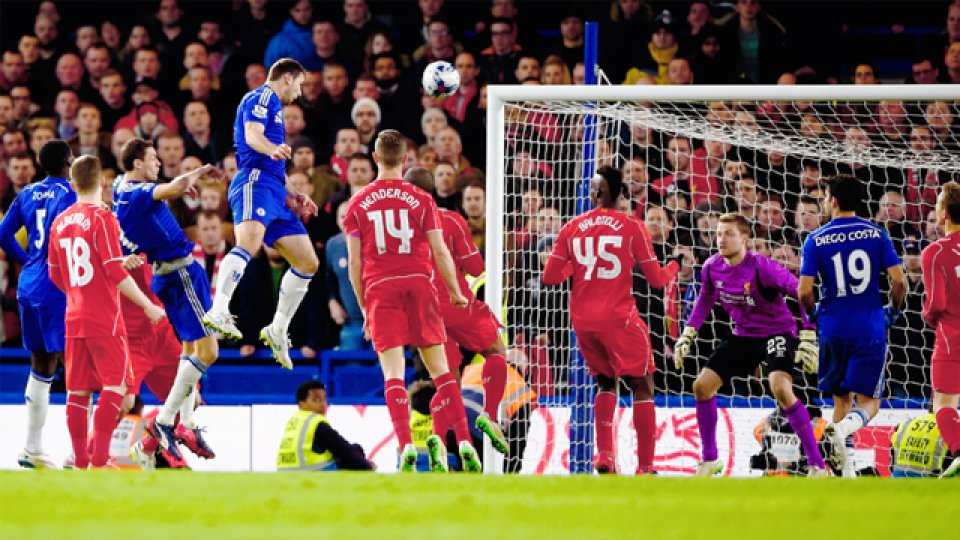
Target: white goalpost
(688, 154)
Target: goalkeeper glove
(890, 315)
(682, 347)
(808, 352)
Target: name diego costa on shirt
(839, 237)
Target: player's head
(948, 204)
(140, 157)
(420, 177)
(606, 187)
(844, 193)
(55, 157)
(733, 233)
(312, 396)
(286, 76)
(389, 149)
(85, 175)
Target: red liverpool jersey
(466, 257)
(941, 280)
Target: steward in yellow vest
(918, 450)
(310, 443)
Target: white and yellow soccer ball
(440, 79)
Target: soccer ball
(440, 79)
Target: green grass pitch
(71, 505)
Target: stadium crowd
(173, 72)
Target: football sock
(187, 407)
(707, 422)
(440, 423)
(231, 270)
(854, 420)
(105, 420)
(948, 420)
(799, 420)
(293, 287)
(189, 372)
(150, 443)
(395, 395)
(77, 423)
(645, 422)
(37, 397)
(449, 392)
(605, 406)
(494, 380)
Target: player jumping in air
(752, 289)
(849, 254)
(392, 228)
(41, 304)
(941, 275)
(259, 196)
(600, 249)
(178, 280)
(475, 328)
(87, 264)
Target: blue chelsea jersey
(263, 106)
(147, 225)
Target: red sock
(105, 420)
(441, 425)
(645, 422)
(948, 420)
(494, 381)
(78, 408)
(449, 393)
(605, 406)
(398, 404)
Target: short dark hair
(502, 20)
(362, 157)
(55, 157)
(283, 66)
(808, 199)
(614, 180)
(847, 190)
(134, 149)
(304, 389)
(951, 200)
(420, 177)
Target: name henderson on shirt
(836, 238)
(389, 193)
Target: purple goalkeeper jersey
(752, 292)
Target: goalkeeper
(751, 288)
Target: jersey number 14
(386, 222)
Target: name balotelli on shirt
(600, 221)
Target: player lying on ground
(475, 328)
(849, 254)
(41, 304)
(751, 288)
(600, 249)
(392, 229)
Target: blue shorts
(42, 325)
(185, 294)
(852, 366)
(254, 195)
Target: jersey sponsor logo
(75, 218)
(392, 193)
(261, 212)
(278, 118)
(259, 111)
(837, 238)
(342, 262)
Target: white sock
(231, 270)
(189, 372)
(854, 420)
(293, 287)
(186, 408)
(37, 397)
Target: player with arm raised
(752, 289)
(599, 249)
(941, 276)
(392, 228)
(259, 198)
(849, 254)
(475, 328)
(41, 304)
(178, 281)
(86, 263)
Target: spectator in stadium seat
(29, 47)
(528, 66)
(636, 179)
(704, 236)
(14, 142)
(366, 87)
(294, 40)
(679, 72)
(84, 37)
(394, 98)
(360, 172)
(578, 73)
(463, 102)
(432, 121)
(200, 87)
(96, 61)
(347, 144)
(171, 150)
(255, 76)
(756, 39)
(807, 217)
(7, 120)
(474, 201)
(771, 222)
(661, 225)
(365, 115)
(65, 107)
(147, 65)
(341, 299)
(662, 48)
(864, 73)
(251, 28)
(137, 38)
(427, 157)
(891, 215)
(325, 39)
(555, 71)
(336, 103)
(90, 139)
(316, 228)
(70, 75)
(711, 62)
(23, 104)
(932, 227)
(219, 51)
(171, 37)
(21, 171)
(746, 197)
(356, 28)
(200, 139)
(293, 121)
(498, 61)
(114, 104)
(440, 45)
(923, 70)
(940, 118)
(211, 245)
(445, 186)
(40, 130)
(13, 70)
(48, 38)
(325, 183)
(951, 60)
(449, 147)
(695, 183)
(570, 48)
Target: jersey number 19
(858, 266)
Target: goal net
(689, 154)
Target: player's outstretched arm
(253, 135)
(657, 276)
(934, 283)
(355, 269)
(445, 265)
(805, 293)
(128, 287)
(12, 222)
(184, 183)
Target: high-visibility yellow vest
(421, 427)
(918, 447)
(296, 447)
(126, 434)
(516, 393)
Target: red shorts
(620, 352)
(945, 374)
(96, 362)
(474, 328)
(404, 312)
(155, 360)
